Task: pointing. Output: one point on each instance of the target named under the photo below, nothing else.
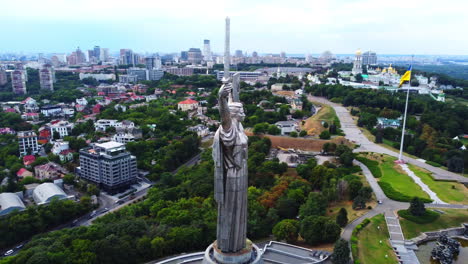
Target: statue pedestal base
(249, 255)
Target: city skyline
(264, 26)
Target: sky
(426, 27)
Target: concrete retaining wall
(428, 236)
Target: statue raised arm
(224, 112)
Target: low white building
(62, 127)
(201, 130)
(60, 146)
(98, 76)
(51, 110)
(123, 138)
(287, 127)
(103, 124)
(82, 101)
(44, 193)
(10, 202)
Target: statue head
(237, 111)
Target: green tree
(324, 135)
(319, 229)
(359, 203)
(417, 207)
(342, 218)
(293, 134)
(303, 133)
(358, 78)
(341, 252)
(287, 229)
(316, 204)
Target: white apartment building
(27, 141)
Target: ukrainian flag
(406, 76)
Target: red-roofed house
(44, 134)
(7, 130)
(49, 170)
(10, 110)
(97, 109)
(66, 155)
(187, 105)
(28, 160)
(23, 173)
(101, 93)
(79, 107)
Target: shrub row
(398, 196)
(435, 164)
(428, 217)
(354, 238)
(372, 165)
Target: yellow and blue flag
(406, 76)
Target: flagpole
(400, 157)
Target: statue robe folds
(230, 158)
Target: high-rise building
(3, 76)
(71, 59)
(27, 141)
(54, 60)
(369, 58)
(357, 64)
(194, 56)
(91, 57)
(254, 54)
(104, 56)
(127, 57)
(184, 55)
(239, 54)
(153, 63)
(80, 56)
(283, 55)
(47, 78)
(97, 52)
(207, 50)
(109, 165)
(18, 81)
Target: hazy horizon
(296, 27)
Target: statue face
(237, 113)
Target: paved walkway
(404, 251)
(354, 134)
(423, 186)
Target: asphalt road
(354, 134)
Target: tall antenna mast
(227, 56)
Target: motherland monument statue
(230, 176)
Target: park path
(354, 134)
(387, 204)
(423, 186)
(404, 251)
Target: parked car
(9, 252)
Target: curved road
(353, 133)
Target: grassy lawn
(450, 192)
(370, 250)
(396, 177)
(334, 208)
(313, 124)
(451, 218)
